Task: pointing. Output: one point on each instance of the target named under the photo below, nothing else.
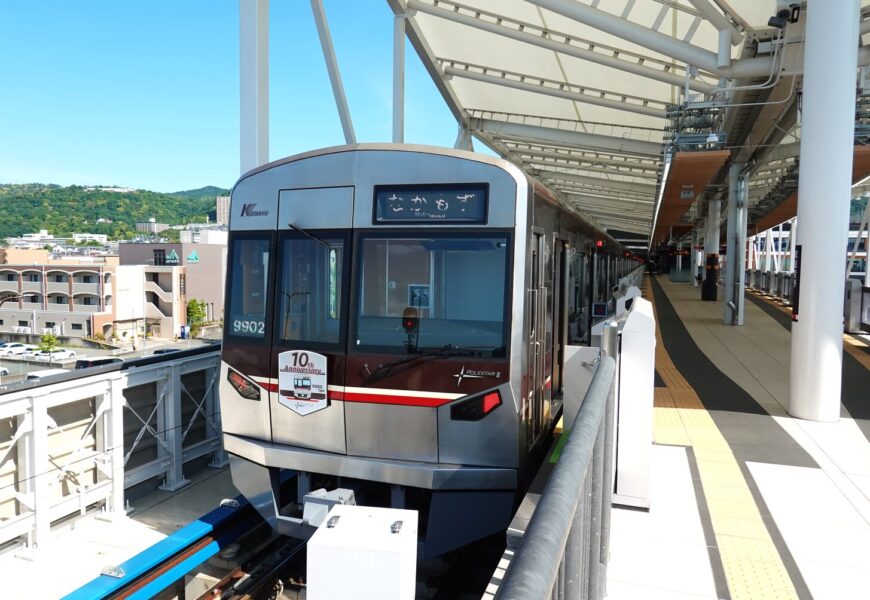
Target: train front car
(376, 337)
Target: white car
(56, 355)
(40, 375)
(16, 349)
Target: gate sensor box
(365, 553)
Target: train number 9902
(248, 327)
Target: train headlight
(244, 386)
(474, 409)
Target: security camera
(781, 19)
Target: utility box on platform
(363, 553)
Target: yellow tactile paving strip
(850, 344)
(752, 565)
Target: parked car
(15, 348)
(18, 349)
(39, 375)
(96, 361)
(58, 354)
(166, 351)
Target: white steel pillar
(332, 69)
(254, 83)
(735, 241)
(696, 240)
(399, 79)
(827, 141)
(740, 225)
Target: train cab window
(309, 288)
(247, 295)
(454, 285)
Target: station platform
(746, 501)
(83, 546)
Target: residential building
(180, 271)
(152, 226)
(222, 210)
(204, 233)
(66, 300)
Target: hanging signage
(302, 381)
(172, 258)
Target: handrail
(536, 566)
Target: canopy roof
(593, 98)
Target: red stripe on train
(387, 399)
(375, 398)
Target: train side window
(248, 290)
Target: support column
(253, 83)
(332, 68)
(170, 426)
(741, 223)
(711, 247)
(399, 79)
(827, 142)
(696, 240)
(733, 241)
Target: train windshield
(419, 293)
(247, 294)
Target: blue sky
(145, 94)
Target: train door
(560, 315)
(537, 338)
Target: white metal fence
(76, 441)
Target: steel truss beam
(599, 211)
(656, 41)
(588, 166)
(600, 191)
(580, 169)
(613, 201)
(641, 189)
(562, 43)
(556, 89)
(550, 135)
(552, 156)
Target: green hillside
(62, 211)
(208, 191)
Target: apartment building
(175, 273)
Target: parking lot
(19, 367)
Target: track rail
(167, 561)
(263, 575)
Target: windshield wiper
(446, 351)
(295, 227)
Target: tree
(195, 315)
(47, 343)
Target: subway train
(396, 322)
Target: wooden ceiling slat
(687, 169)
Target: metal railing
(565, 548)
(75, 441)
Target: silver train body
(396, 323)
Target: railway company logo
(463, 374)
(249, 210)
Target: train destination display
(442, 204)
